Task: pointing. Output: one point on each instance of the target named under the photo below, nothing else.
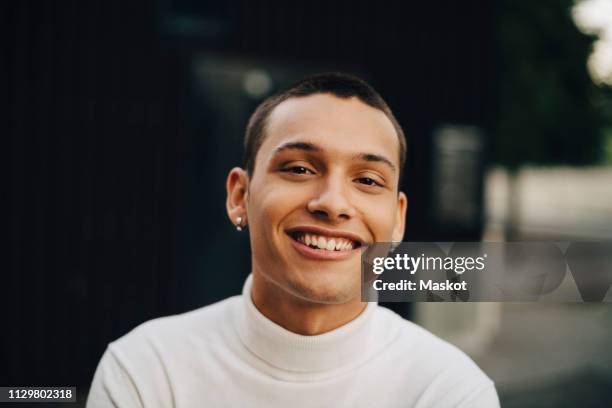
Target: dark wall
(94, 106)
(102, 141)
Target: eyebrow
(311, 147)
(305, 146)
(369, 157)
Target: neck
(299, 315)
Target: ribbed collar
(341, 348)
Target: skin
(325, 162)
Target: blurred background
(125, 117)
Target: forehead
(340, 125)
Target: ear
(400, 218)
(237, 187)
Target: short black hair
(338, 84)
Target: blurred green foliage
(549, 109)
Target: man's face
(324, 184)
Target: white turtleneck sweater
(230, 355)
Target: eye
(297, 170)
(369, 182)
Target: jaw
(307, 275)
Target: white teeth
(322, 243)
(326, 243)
(331, 244)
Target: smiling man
(321, 180)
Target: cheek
(271, 204)
(380, 216)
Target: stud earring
(239, 224)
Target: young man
(321, 179)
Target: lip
(321, 254)
(327, 233)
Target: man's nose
(332, 201)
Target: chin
(325, 288)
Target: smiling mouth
(326, 243)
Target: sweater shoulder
(429, 352)
(203, 325)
